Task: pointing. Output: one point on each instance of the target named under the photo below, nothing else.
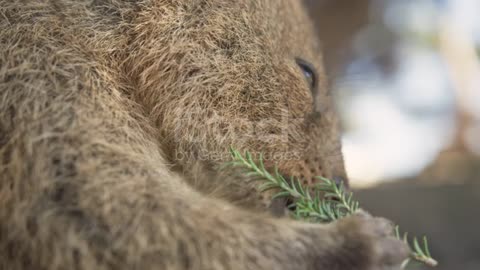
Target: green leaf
(425, 244)
(417, 247)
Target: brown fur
(114, 115)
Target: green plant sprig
(419, 253)
(328, 203)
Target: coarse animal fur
(115, 114)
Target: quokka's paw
(369, 243)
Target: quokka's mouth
(282, 206)
(285, 204)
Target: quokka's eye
(309, 72)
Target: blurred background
(406, 74)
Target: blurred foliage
(372, 50)
(406, 54)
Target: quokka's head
(248, 74)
